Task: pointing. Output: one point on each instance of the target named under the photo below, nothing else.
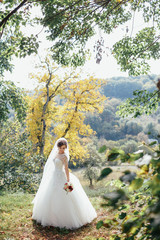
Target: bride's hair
(61, 143)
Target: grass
(16, 222)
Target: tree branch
(49, 18)
(3, 22)
(76, 110)
(53, 94)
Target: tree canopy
(69, 25)
(48, 118)
(11, 97)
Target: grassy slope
(16, 221)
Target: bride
(53, 206)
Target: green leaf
(99, 224)
(114, 153)
(135, 156)
(136, 184)
(113, 156)
(105, 172)
(122, 215)
(127, 226)
(152, 143)
(102, 149)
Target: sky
(106, 69)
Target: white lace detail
(58, 162)
(60, 175)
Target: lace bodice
(58, 162)
(59, 172)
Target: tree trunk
(91, 182)
(69, 124)
(42, 143)
(49, 98)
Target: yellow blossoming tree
(58, 106)
(83, 96)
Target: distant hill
(110, 126)
(123, 87)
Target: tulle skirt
(56, 207)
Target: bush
(130, 146)
(19, 168)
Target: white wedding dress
(58, 208)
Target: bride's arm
(66, 168)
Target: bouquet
(68, 187)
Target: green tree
(15, 15)
(130, 146)
(11, 97)
(18, 169)
(142, 188)
(70, 24)
(144, 102)
(132, 128)
(92, 163)
(151, 130)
